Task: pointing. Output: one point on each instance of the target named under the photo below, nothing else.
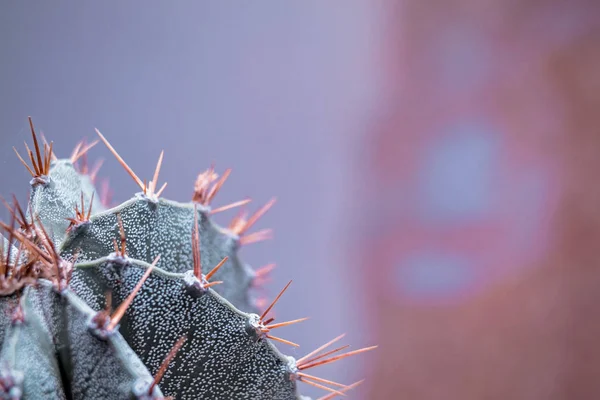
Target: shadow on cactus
(140, 301)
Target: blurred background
(435, 165)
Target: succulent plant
(139, 301)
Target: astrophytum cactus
(139, 301)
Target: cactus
(140, 301)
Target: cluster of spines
(40, 167)
(34, 237)
(81, 217)
(42, 261)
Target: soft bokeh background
(435, 165)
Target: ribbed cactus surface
(139, 301)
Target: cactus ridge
(141, 299)
(51, 347)
(165, 227)
(170, 305)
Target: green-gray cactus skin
(164, 227)
(54, 354)
(170, 305)
(53, 346)
(53, 202)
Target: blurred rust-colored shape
(525, 323)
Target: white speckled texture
(56, 201)
(165, 228)
(221, 358)
(56, 333)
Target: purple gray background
(279, 91)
